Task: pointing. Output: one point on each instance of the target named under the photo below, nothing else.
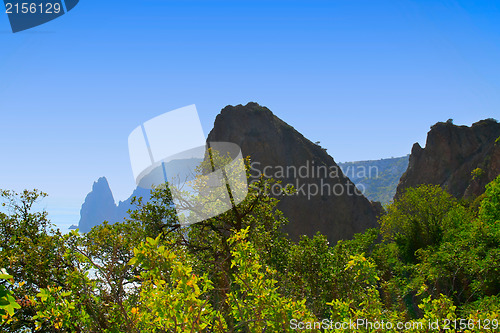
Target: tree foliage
(433, 258)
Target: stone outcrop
(335, 210)
(450, 156)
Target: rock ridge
(452, 154)
(271, 142)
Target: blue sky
(366, 78)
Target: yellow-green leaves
(8, 303)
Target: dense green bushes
(434, 258)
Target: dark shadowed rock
(336, 210)
(451, 154)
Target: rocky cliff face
(451, 154)
(325, 201)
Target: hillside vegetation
(433, 261)
(378, 179)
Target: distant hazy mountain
(378, 179)
(99, 205)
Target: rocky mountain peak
(450, 156)
(99, 205)
(325, 201)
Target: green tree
(104, 288)
(489, 210)
(466, 265)
(8, 303)
(31, 250)
(417, 219)
(208, 240)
